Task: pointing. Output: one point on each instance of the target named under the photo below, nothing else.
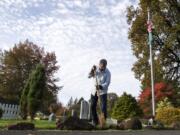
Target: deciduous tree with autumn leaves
(18, 62)
(162, 90)
(166, 49)
(166, 40)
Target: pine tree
(36, 90)
(126, 107)
(70, 103)
(23, 100)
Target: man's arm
(108, 80)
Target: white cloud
(80, 32)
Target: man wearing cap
(101, 80)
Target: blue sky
(80, 32)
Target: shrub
(1, 113)
(162, 90)
(22, 126)
(168, 115)
(164, 103)
(126, 107)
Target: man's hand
(93, 69)
(99, 87)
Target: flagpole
(151, 61)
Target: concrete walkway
(109, 132)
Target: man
(102, 78)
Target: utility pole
(151, 60)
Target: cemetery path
(109, 132)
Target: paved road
(146, 132)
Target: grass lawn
(39, 124)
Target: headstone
(84, 110)
(90, 112)
(150, 122)
(52, 117)
(111, 121)
(74, 113)
(64, 115)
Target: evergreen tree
(23, 100)
(36, 89)
(126, 107)
(70, 103)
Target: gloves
(99, 87)
(94, 68)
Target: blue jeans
(103, 104)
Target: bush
(1, 113)
(22, 126)
(126, 107)
(162, 90)
(163, 104)
(168, 115)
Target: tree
(70, 103)
(166, 40)
(162, 90)
(60, 110)
(17, 63)
(126, 107)
(74, 105)
(23, 100)
(112, 99)
(75, 101)
(37, 86)
(56, 108)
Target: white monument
(84, 110)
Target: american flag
(149, 26)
